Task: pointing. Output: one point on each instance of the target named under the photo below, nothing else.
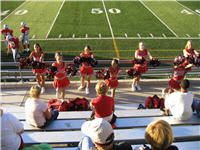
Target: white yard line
(139, 35)
(99, 35)
(117, 38)
(55, 19)
(164, 35)
(126, 35)
(188, 35)
(158, 18)
(187, 8)
(13, 11)
(151, 35)
(111, 30)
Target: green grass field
(67, 26)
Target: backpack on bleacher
(154, 102)
(80, 104)
(77, 104)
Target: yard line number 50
(100, 11)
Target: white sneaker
(87, 91)
(138, 87)
(27, 49)
(81, 88)
(57, 95)
(42, 90)
(62, 100)
(133, 87)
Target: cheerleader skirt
(174, 84)
(39, 71)
(86, 70)
(142, 69)
(112, 83)
(63, 83)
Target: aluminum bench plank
(133, 136)
(86, 114)
(194, 145)
(121, 123)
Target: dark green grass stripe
(9, 5)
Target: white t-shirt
(10, 126)
(179, 104)
(34, 110)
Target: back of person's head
(159, 135)
(35, 91)
(185, 84)
(99, 130)
(101, 88)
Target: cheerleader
(60, 79)
(112, 82)
(189, 51)
(142, 52)
(38, 55)
(85, 69)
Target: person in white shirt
(179, 102)
(11, 130)
(37, 112)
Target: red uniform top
(190, 51)
(113, 73)
(103, 106)
(6, 32)
(144, 54)
(36, 56)
(61, 74)
(14, 43)
(85, 64)
(24, 30)
(179, 74)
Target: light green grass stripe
(134, 19)
(170, 13)
(39, 18)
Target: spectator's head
(185, 84)
(35, 91)
(87, 49)
(141, 46)
(9, 37)
(100, 132)
(58, 57)
(159, 135)
(101, 88)
(23, 24)
(188, 45)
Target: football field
(113, 28)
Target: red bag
(56, 104)
(80, 104)
(154, 102)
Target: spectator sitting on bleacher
(11, 130)
(179, 102)
(100, 136)
(103, 104)
(37, 112)
(159, 135)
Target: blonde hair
(186, 46)
(159, 134)
(101, 88)
(35, 91)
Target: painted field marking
(13, 11)
(86, 36)
(158, 18)
(73, 36)
(111, 30)
(33, 36)
(126, 35)
(99, 35)
(55, 19)
(187, 8)
(139, 35)
(187, 35)
(151, 35)
(164, 35)
(119, 38)
(60, 36)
